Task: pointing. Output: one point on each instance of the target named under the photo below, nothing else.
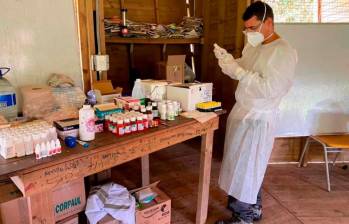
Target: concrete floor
(290, 194)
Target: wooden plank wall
(220, 27)
(145, 56)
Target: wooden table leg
(204, 179)
(145, 170)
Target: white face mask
(256, 38)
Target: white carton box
(154, 89)
(190, 94)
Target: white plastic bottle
(86, 123)
(137, 91)
(8, 104)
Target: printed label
(90, 125)
(7, 100)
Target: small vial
(127, 124)
(145, 121)
(133, 124)
(140, 124)
(43, 150)
(53, 147)
(58, 146)
(163, 114)
(37, 151)
(52, 133)
(170, 112)
(120, 127)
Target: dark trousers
(244, 210)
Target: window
(310, 11)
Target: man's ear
(269, 21)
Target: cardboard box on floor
(173, 69)
(70, 220)
(52, 206)
(156, 212)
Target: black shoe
(257, 213)
(233, 220)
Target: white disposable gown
(265, 76)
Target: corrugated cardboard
(173, 69)
(156, 212)
(55, 205)
(106, 87)
(12, 205)
(68, 199)
(70, 220)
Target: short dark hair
(257, 9)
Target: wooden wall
(145, 56)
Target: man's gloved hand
(226, 61)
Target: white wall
(37, 38)
(319, 99)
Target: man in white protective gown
(265, 73)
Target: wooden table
(33, 176)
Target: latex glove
(219, 52)
(226, 62)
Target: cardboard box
(13, 206)
(70, 220)
(58, 204)
(173, 69)
(190, 94)
(68, 199)
(108, 92)
(154, 89)
(156, 212)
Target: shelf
(121, 40)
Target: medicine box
(190, 94)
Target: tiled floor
(290, 194)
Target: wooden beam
(87, 42)
(156, 11)
(206, 48)
(239, 38)
(145, 170)
(102, 33)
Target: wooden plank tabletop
(10, 166)
(32, 176)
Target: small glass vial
(114, 124)
(120, 127)
(106, 122)
(150, 116)
(127, 124)
(140, 124)
(145, 121)
(37, 151)
(170, 112)
(58, 146)
(163, 113)
(133, 124)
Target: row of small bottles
(49, 148)
(138, 119)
